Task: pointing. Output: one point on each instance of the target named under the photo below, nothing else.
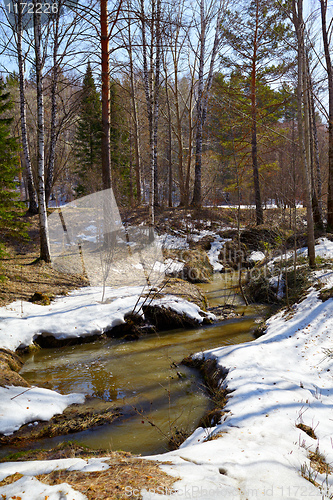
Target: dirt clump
(10, 364)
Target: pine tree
(255, 35)
(89, 138)
(10, 225)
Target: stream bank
(112, 400)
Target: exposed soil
(75, 418)
(10, 364)
(213, 375)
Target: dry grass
(10, 480)
(23, 274)
(125, 470)
(307, 429)
(125, 474)
(318, 462)
(74, 418)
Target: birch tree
(207, 15)
(127, 40)
(151, 55)
(181, 92)
(18, 32)
(44, 237)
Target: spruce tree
(89, 138)
(10, 206)
(119, 145)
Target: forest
(166, 249)
(212, 102)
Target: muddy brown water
(158, 396)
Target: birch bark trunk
(33, 209)
(147, 76)
(203, 93)
(53, 135)
(44, 237)
(134, 118)
(156, 93)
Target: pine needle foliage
(88, 141)
(10, 206)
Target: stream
(157, 396)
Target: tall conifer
(256, 37)
(9, 166)
(89, 138)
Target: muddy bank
(213, 376)
(10, 365)
(73, 419)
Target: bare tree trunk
(169, 144)
(299, 27)
(148, 95)
(44, 237)
(156, 95)
(169, 150)
(254, 147)
(33, 209)
(106, 163)
(131, 166)
(179, 136)
(329, 69)
(316, 186)
(203, 92)
(135, 118)
(197, 197)
(190, 145)
(53, 138)
(151, 77)
(317, 161)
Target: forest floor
(22, 273)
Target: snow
(214, 252)
(20, 405)
(256, 256)
(323, 247)
(277, 283)
(29, 488)
(35, 467)
(277, 382)
(79, 314)
(172, 241)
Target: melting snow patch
(20, 405)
